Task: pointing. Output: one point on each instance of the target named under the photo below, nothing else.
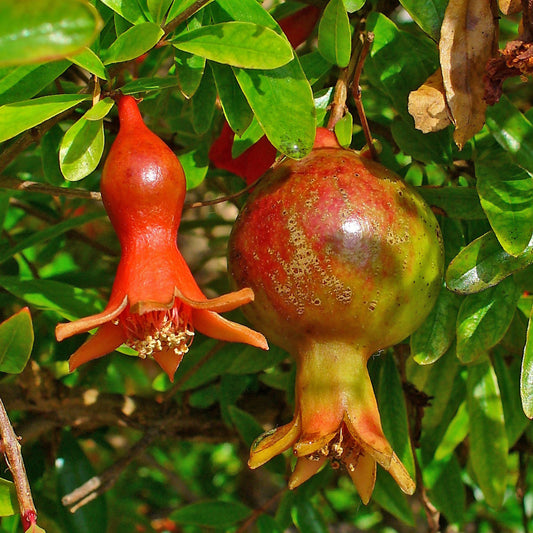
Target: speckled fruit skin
(336, 246)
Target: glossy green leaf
(488, 439)
(133, 43)
(428, 14)
(241, 143)
(353, 5)
(433, 147)
(512, 130)
(179, 6)
(129, 9)
(24, 82)
(455, 434)
(204, 103)
(72, 469)
(195, 164)
(33, 32)
(189, 70)
(99, 110)
(233, 102)
(434, 337)
(252, 360)
(81, 148)
(484, 318)
(88, 60)
(526, 376)
(39, 237)
(217, 514)
(506, 194)
(8, 498)
(334, 35)
(239, 44)
(16, 342)
(21, 116)
(392, 67)
(158, 9)
(391, 498)
(141, 85)
(393, 412)
(344, 129)
(484, 263)
(456, 202)
(307, 518)
(70, 302)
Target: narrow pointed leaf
(21, 116)
(33, 32)
(526, 376)
(16, 342)
(189, 70)
(179, 6)
(484, 263)
(88, 60)
(334, 35)
(506, 193)
(433, 338)
(484, 318)
(217, 514)
(488, 439)
(428, 14)
(239, 44)
(455, 433)
(158, 9)
(307, 518)
(130, 10)
(133, 43)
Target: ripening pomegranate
(344, 259)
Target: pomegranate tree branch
(16, 184)
(13, 455)
(182, 17)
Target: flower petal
(304, 469)
(363, 474)
(169, 361)
(401, 476)
(273, 442)
(213, 325)
(308, 444)
(221, 304)
(108, 338)
(83, 325)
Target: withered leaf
(468, 40)
(427, 105)
(509, 7)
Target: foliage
(172, 457)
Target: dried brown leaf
(468, 40)
(509, 7)
(427, 105)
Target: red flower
(155, 303)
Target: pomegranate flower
(155, 304)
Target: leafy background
(453, 397)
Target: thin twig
(16, 184)
(97, 485)
(13, 455)
(182, 17)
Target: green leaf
(306, 517)
(133, 43)
(217, 514)
(344, 129)
(391, 498)
(334, 35)
(179, 6)
(428, 14)
(21, 116)
(195, 164)
(392, 67)
(81, 148)
(129, 9)
(484, 318)
(239, 44)
(526, 375)
(456, 202)
(72, 469)
(88, 60)
(393, 412)
(353, 5)
(455, 434)
(22, 83)
(241, 143)
(233, 102)
(433, 147)
(99, 110)
(506, 194)
(16, 342)
(488, 439)
(8, 498)
(141, 85)
(33, 32)
(70, 302)
(512, 130)
(203, 104)
(39, 237)
(189, 70)
(158, 9)
(484, 263)
(252, 360)
(435, 336)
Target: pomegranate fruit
(344, 259)
(155, 303)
